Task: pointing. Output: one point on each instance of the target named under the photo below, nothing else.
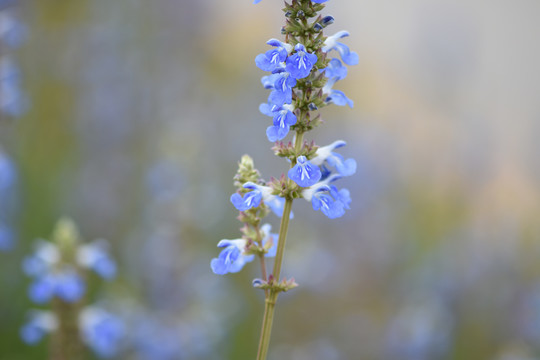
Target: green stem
(270, 301)
(271, 297)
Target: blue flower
(42, 289)
(304, 173)
(12, 102)
(69, 286)
(323, 200)
(336, 96)
(95, 256)
(300, 64)
(282, 89)
(325, 153)
(249, 200)
(327, 198)
(269, 109)
(331, 43)
(8, 172)
(335, 69)
(66, 284)
(12, 31)
(254, 197)
(283, 120)
(39, 324)
(343, 196)
(232, 258)
(271, 60)
(40, 262)
(268, 81)
(101, 331)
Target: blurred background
(130, 116)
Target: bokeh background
(131, 118)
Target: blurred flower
(101, 331)
(331, 43)
(38, 325)
(232, 258)
(7, 238)
(420, 331)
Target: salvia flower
(299, 65)
(38, 325)
(331, 43)
(253, 198)
(250, 199)
(101, 331)
(232, 258)
(337, 97)
(282, 121)
(324, 201)
(271, 60)
(69, 285)
(335, 69)
(327, 198)
(304, 173)
(95, 256)
(283, 85)
(65, 284)
(326, 153)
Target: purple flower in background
(69, 285)
(8, 172)
(38, 325)
(42, 289)
(101, 331)
(7, 238)
(95, 256)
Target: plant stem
(272, 295)
(270, 301)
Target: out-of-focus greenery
(139, 111)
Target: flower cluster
(59, 269)
(301, 80)
(12, 34)
(298, 87)
(255, 202)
